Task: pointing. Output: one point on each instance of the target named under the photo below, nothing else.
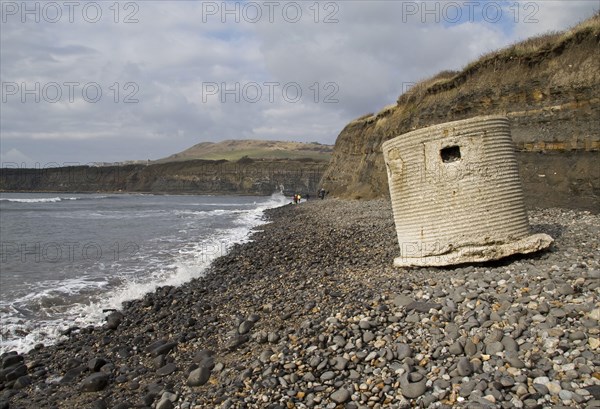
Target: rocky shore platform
(312, 314)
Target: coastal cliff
(245, 176)
(547, 86)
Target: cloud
(148, 79)
(548, 16)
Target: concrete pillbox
(456, 194)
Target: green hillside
(233, 150)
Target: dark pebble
(413, 385)
(95, 382)
(163, 349)
(95, 364)
(22, 382)
(114, 320)
(199, 377)
(11, 360)
(594, 390)
(72, 374)
(167, 369)
(423, 307)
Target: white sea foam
(36, 200)
(206, 213)
(48, 199)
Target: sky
(111, 81)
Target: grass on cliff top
(543, 42)
(529, 48)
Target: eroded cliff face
(549, 88)
(244, 177)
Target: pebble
(326, 376)
(163, 349)
(464, 367)
(95, 364)
(341, 395)
(403, 351)
(509, 344)
(114, 319)
(199, 376)
(470, 348)
(565, 395)
(167, 369)
(456, 348)
(413, 385)
(340, 363)
(466, 388)
(95, 382)
(553, 387)
(165, 404)
(494, 348)
(422, 307)
(402, 300)
(245, 327)
(368, 336)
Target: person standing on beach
(322, 194)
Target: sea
(67, 259)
